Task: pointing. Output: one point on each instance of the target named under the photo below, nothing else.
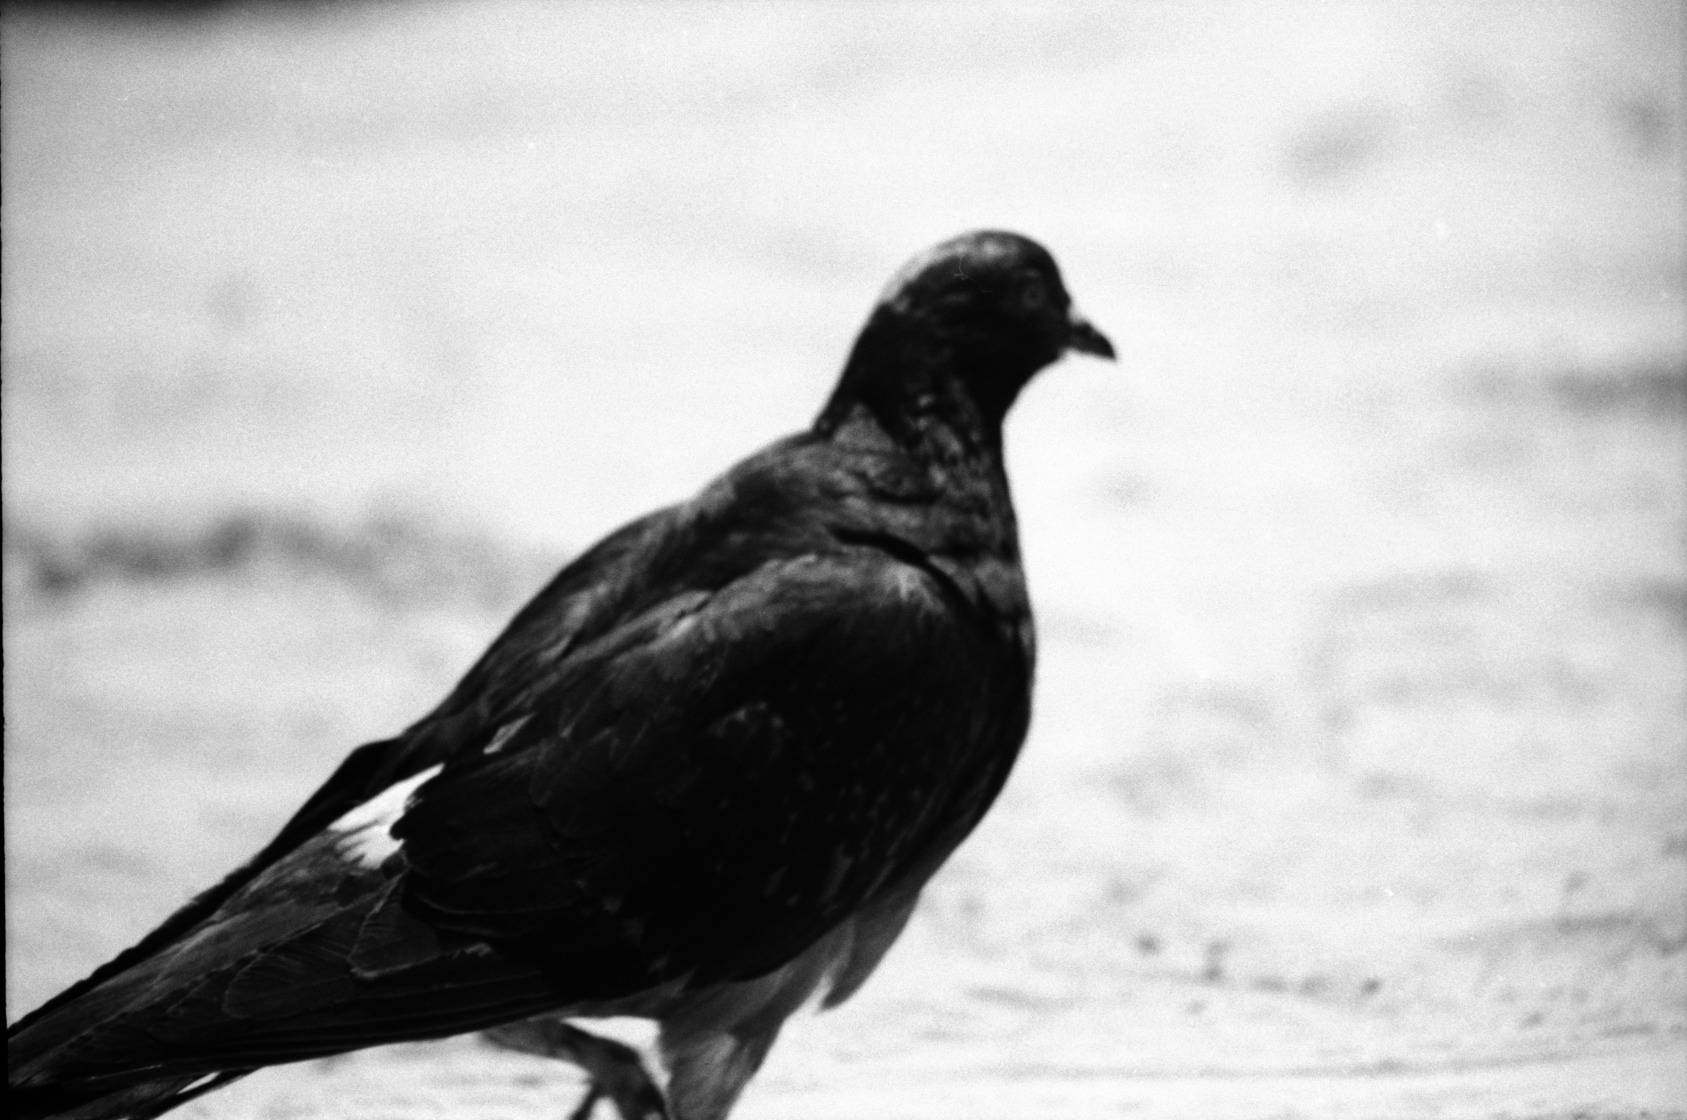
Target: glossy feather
(703, 772)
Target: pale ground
(1358, 779)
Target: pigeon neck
(909, 382)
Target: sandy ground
(1358, 776)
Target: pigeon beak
(1085, 339)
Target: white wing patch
(505, 734)
(910, 583)
(364, 834)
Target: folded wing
(695, 794)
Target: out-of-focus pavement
(1358, 777)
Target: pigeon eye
(1033, 295)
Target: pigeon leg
(710, 1069)
(615, 1069)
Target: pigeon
(700, 779)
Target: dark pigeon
(702, 776)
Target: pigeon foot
(615, 1070)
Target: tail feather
(132, 1102)
(157, 1036)
(347, 786)
(106, 1048)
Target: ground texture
(1358, 782)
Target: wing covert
(707, 789)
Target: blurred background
(1358, 781)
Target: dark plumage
(704, 772)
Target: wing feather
(711, 797)
(693, 754)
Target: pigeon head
(960, 330)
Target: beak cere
(1085, 339)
